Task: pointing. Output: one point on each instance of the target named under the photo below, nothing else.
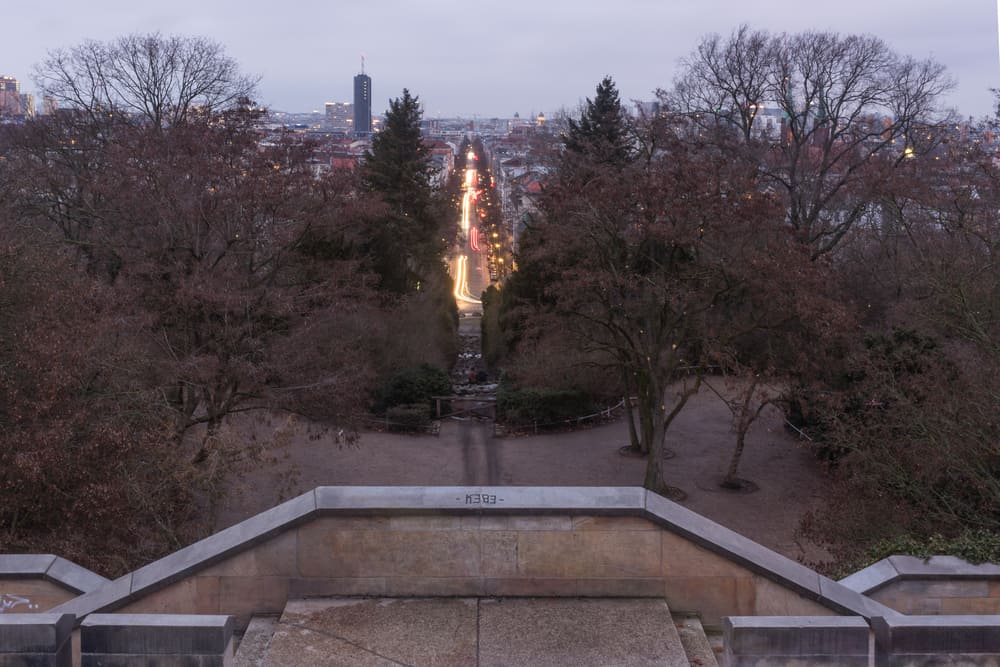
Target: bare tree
(158, 79)
(850, 108)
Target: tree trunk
(633, 435)
(744, 418)
(654, 480)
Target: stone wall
(451, 541)
(36, 583)
(937, 585)
(519, 555)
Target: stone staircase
(480, 632)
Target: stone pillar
(766, 641)
(915, 641)
(156, 640)
(40, 640)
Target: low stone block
(46, 636)
(931, 635)
(791, 637)
(156, 634)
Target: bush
(412, 386)
(408, 417)
(542, 406)
(972, 546)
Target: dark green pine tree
(601, 135)
(406, 247)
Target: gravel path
(466, 453)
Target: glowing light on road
(461, 282)
(474, 239)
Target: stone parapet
(32, 583)
(476, 541)
(919, 641)
(156, 640)
(937, 585)
(38, 640)
(804, 641)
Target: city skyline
(495, 60)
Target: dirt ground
(466, 453)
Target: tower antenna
(362, 63)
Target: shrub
(408, 417)
(413, 386)
(542, 406)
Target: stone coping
(52, 568)
(900, 568)
(469, 500)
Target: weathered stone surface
(612, 523)
(245, 596)
(43, 634)
(388, 553)
(333, 587)
(156, 634)
(907, 604)
(33, 595)
(179, 598)
(796, 636)
(589, 554)
(696, 646)
(630, 587)
(836, 596)
(775, 600)
(978, 606)
(438, 632)
(732, 546)
(273, 557)
(712, 597)
(683, 558)
(252, 649)
(504, 498)
(225, 543)
(578, 633)
(872, 577)
(532, 587)
(25, 565)
(70, 575)
(116, 593)
(930, 635)
(498, 553)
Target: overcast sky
(496, 58)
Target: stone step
(695, 641)
(485, 632)
(252, 649)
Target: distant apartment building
(339, 115)
(362, 104)
(14, 104)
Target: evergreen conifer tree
(407, 248)
(602, 133)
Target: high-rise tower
(362, 103)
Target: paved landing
(465, 632)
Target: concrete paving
(461, 632)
